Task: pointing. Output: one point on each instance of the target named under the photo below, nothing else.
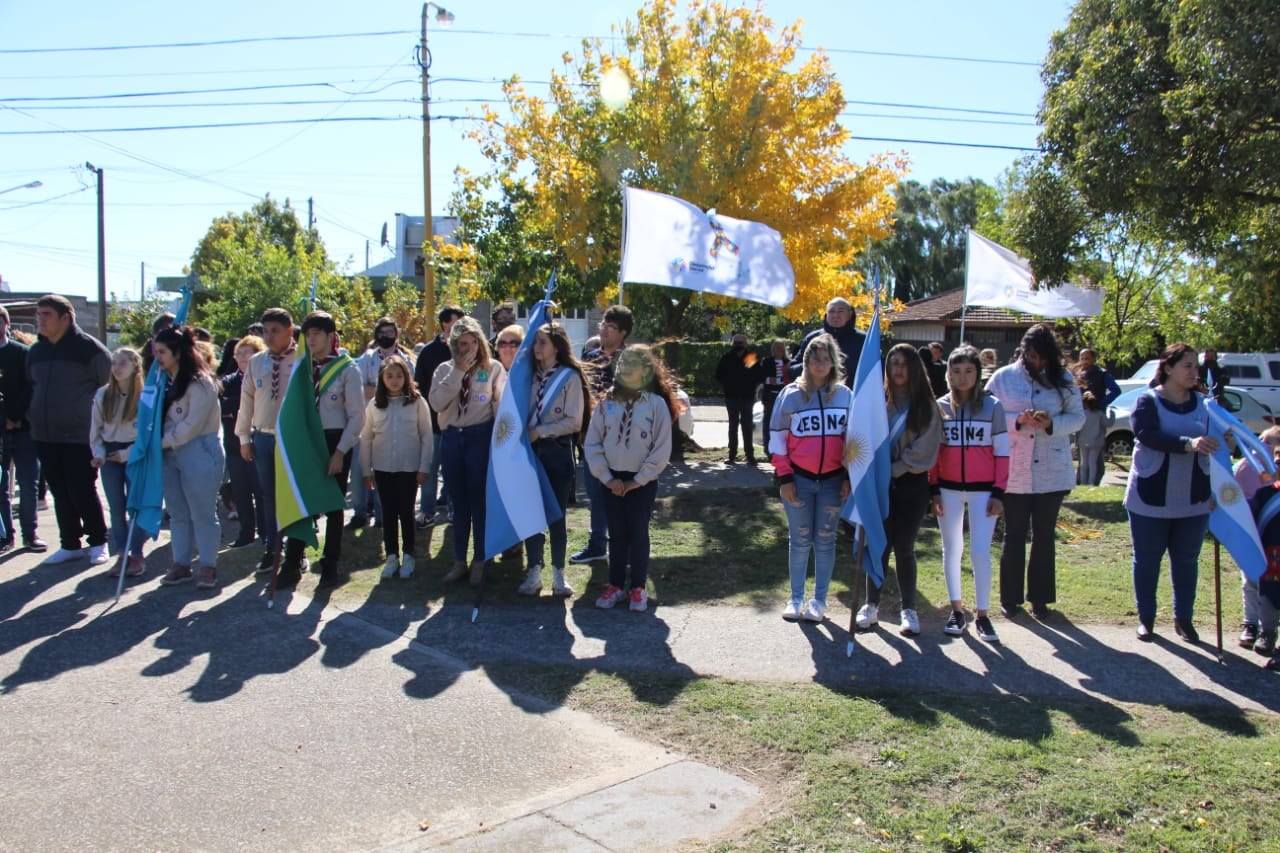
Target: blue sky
(163, 187)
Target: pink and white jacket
(974, 456)
(807, 433)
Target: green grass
(729, 547)
(954, 772)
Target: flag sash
(332, 370)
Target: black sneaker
(265, 564)
(329, 577)
(288, 577)
(1248, 635)
(358, 522)
(586, 556)
(986, 631)
(955, 624)
(1265, 645)
(1011, 611)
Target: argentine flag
(513, 511)
(866, 452)
(1231, 520)
(144, 469)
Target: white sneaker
(814, 611)
(97, 555)
(64, 555)
(792, 611)
(392, 566)
(560, 586)
(910, 624)
(532, 581)
(868, 616)
(406, 566)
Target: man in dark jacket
(739, 375)
(66, 367)
(432, 356)
(19, 449)
(839, 323)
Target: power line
(510, 34)
(940, 142)
(42, 201)
(223, 90)
(214, 125)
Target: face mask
(386, 341)
(739, 347)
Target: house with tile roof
(937, 318)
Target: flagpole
(1217, 593)
(624, 242)
(964, 301)
(124, 556)
(860, 544)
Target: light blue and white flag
(513, 511)
(1231, 521)
(867, 451)
(145, 466)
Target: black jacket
(739, 379)
(432, 356)
(15, 387)
(64, 377)
(848, 338)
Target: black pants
(908, 502)
(74, 483)
(629, 532)
(740, 415)
(399, 491)
(246, 491)
(295, 548)
(1039, 514)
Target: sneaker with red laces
(639, 600)
(611, 596)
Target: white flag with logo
(671, 243)
(999, 278)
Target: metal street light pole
(444, 17)
(102, 259)
(30, 185)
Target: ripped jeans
(813, 528)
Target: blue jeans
(556, 457)
(466, 468)
(264, 452)
(598, 538)
(431, 488)
(192, 475)
(629, 517)
(20, 453)
(1152, 538)
(116, 485)
(812, 527)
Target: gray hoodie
(64, 377)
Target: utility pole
(102, 260)
(311, 213)
(443, 16)
(142, 284)
(366, 254)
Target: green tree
(1169, 111)
(924, 254)
(267, 223)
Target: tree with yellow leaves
(715, 110)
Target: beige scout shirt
(342, 407)
(482, 401)
(559, 415)
(258, 408)
(644, 448)
(397, 438)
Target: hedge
(695, 363)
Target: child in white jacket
(395, 443)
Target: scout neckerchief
(276, 361)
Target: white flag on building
(999, 278)
(669, 242)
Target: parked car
(1255, 415)
(1257, 373)
(1141, 378)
